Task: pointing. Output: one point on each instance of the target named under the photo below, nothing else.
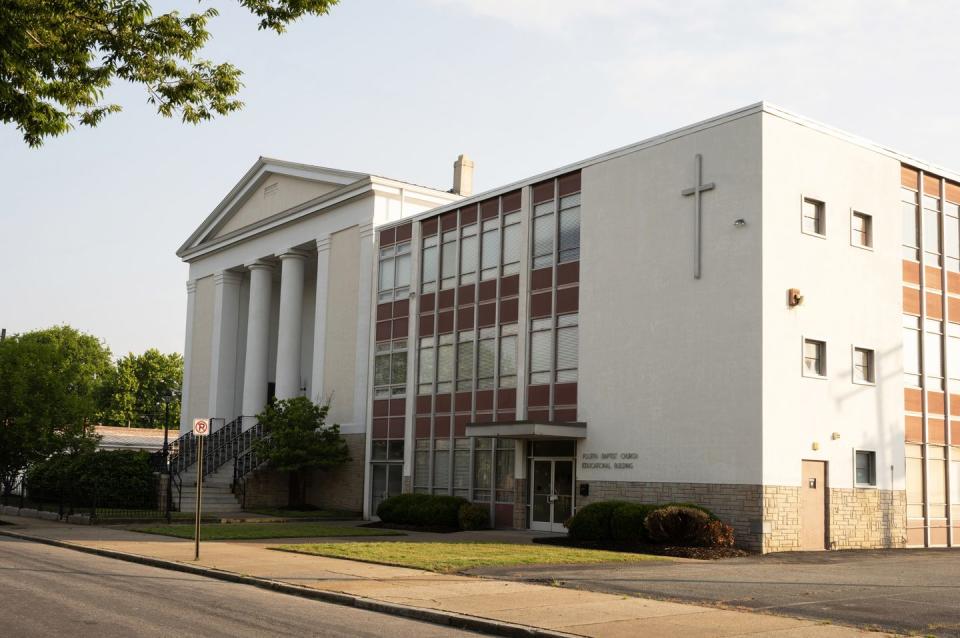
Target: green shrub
(593, 522)
(109, 479)
(422, 510)
(691, 506)
(677, 525)
(474, 516)
(627, 523)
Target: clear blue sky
(89, 222)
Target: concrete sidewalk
(554, 610)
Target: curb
(434, 616)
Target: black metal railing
(247, 460)
(146, 500)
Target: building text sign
(608, 460)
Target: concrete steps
(217, 497)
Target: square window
(866, 468)
(861, 230)
(814, 358)
(863, 366)
(814, 222)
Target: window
(936, 481)
(394, 272)
(387, 450)
(482, 469)
(508, 356)
(428, 267)
(863, 366)
(911, 350)
(813, 217)
(544, 231)
(427, 366)
(461, 468)
(953, 350)
(468, 254)
(570, 228)
(441, 466)
(506, 450)
(511, 244)
(541, 351)
(465, 346)
(861, 230)
(914, 481)
(911, 224)
(390, 369)
(951, 236)
(486, 358)
(933, 354)
(814, 358)
(445, 364)
(567, 347)
(489, 249)
(931, 231)
(421, 466)
(448, 260)
(866, 468)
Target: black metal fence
(148, 500)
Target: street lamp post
(167, 398)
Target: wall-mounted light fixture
(794, 298)
(815, 446)
(740, 223)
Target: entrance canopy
(529, 430)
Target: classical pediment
(268, 188)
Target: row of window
(814, 222)
(941, 233)
(483, 250)
(937, 475)
(475, 472)
(863, 364)
(938, 351)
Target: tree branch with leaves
(58, 57)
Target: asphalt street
(909, 591)
(51, 591)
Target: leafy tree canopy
(133, 390)
(49, 394)
(57, 57)
(297, 440)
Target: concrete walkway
(557, 610)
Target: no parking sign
(201, 427)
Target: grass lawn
(285, 513)
(453, 557)
(251, 531)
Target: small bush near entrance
(474, 516)
(594, 522)
(676, 525)
(627, 523)
(620, 523)
(422, 510)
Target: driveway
(909, 591)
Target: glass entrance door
(387, 481)
(551, 494)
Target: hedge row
(621, 522)
(113, 479)
(426, 510)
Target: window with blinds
(390, 369)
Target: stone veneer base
(766, 518)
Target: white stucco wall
(852, 297)
(670, 365)
(339, 376)
(199, 394)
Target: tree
(298, 440)
(134, 389)
(57, 57)
(49, 389)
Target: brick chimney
(463, 176)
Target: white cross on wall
(696, 192)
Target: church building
(756, 313)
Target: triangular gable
(269, 187)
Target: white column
(320, 321)
(258, 341)
(223, 346)
(289, 327)
(363, 394)
(186, 420)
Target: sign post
(201, 428)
